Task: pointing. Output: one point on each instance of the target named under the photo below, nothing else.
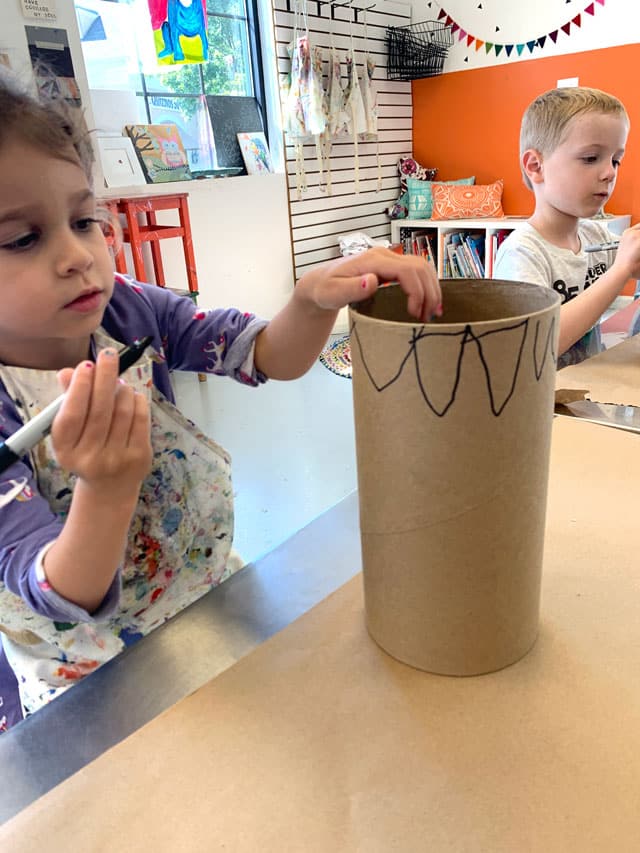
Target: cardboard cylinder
(453, 431)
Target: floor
(292, 446)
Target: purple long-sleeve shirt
(216, 342)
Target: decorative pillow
(408, 167)
(421, 199)
(478, 202)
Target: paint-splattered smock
(180, 537)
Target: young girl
(122, 516)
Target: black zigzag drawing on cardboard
(468, 337)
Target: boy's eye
(590, 158)
(615, 163)
(26, 241)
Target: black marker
(25, 438)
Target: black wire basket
(417, 50)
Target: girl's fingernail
(364, 282)
(439, 311)
(88, 365)
(121, 381)
(109, 352)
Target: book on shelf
(419, 242)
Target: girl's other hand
(102, 432)
(336, 284)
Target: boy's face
(56, 274)
(578, 177)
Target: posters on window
(179, 31)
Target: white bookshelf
(442, 229)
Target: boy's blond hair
(546, 118)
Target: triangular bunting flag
(566, 27)
(448, 20)
(441, 14)
(541, 41)
(454, 27)
(589, 10)
(531, 45)
(508, 48)
(601, 2)
(576, 20)
(470, 40)
(499, 49)
(553, 36)
(519, 48)
(461, 35)
(479, 44)
(487, 46)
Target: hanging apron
(370, 103)
(178, 546)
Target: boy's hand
(352, 279)
(102, 432)
(628, 252)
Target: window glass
(120, 54)
(192, 119)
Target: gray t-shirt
(526, 256)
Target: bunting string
(470, 40)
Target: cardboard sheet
(320, 742)
(613, 376)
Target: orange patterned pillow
(480, 201)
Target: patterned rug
(336, 357)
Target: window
(127, 80)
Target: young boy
(571, 144)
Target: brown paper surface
(319, 741)
(613, 376)
(453, 426)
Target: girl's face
(56, 274)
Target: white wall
(614, 23)
(240, 225)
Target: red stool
(142, 227)
(137, 232)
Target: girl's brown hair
(41, 117)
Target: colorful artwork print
(160, 151)
(179, 30)
(255, 152)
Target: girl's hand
(102, 432)
(335, 284)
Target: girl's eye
(21, 243)
(615, 163)
(590, 158)
(86, 223)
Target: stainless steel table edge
(179, 657)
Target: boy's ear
(532, 165)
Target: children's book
(160, 151)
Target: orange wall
(468, 122)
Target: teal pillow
(421, 199)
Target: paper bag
(453, 425)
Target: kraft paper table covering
(613, 376)
(319, 741)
